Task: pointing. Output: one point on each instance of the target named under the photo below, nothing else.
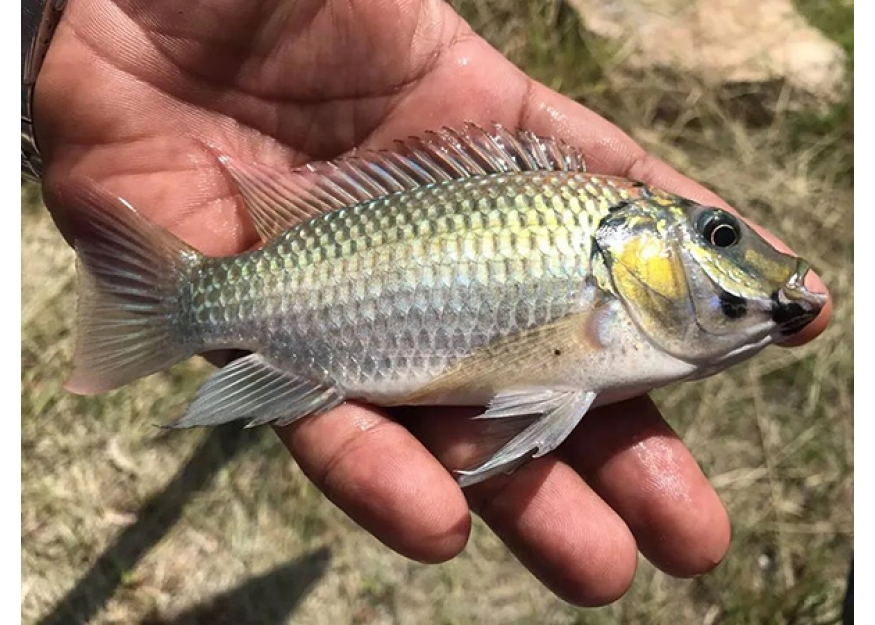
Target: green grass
(105, 516)
(834, 18)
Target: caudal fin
(130, 272)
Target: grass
(123, 523)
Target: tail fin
(129, 276)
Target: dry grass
(123, 523)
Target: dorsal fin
(278, 200)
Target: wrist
(39, 18)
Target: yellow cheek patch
(652, 263)
(649, 309)
(659, 317)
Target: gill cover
(647, 270)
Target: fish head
(699, 282)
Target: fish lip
(793, 305)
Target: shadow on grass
(268, 599)
(156, 518)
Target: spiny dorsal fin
(278, 200)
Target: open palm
(132, 89)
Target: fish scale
(475, 267)
(486, 277)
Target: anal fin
(560, 410)
(252, 388)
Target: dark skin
(131, 90)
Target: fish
(478, 266)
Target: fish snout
(793, 305)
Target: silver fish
(480, 267)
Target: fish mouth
(793, 305)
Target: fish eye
(719, 228)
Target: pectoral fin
(560, 410)
(254, 389)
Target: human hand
(132, 89)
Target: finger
(384, 479)
(639, 466)
(545, 513)
(560, 530)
